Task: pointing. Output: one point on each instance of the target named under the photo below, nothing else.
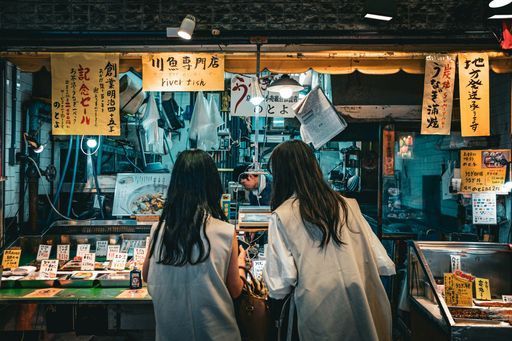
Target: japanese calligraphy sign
(273, 106)
(11, 258)
(85, 94)
(63, 252)
(180, 71)
(483, 170)
(43, 252)
(458, 291)
(436, 113)
(482, 289)
(388, 151)
(474, 94)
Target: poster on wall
(484, 208)
(273, 105)
(180, 71)
(85, 94)
(436, 113)
(140, 194)
(483, 170)
(388, 151)
(474, 94)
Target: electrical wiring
(129, 160)
(38, 170)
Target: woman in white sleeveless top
(192, 267)
(321, 247)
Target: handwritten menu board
(474, 94)
(482, 289)
(484, 208)
(436, 114)
(11, 258)
(179, 71)
(85, 94)
(458, 291)
(483, 170)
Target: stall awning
(330, 62)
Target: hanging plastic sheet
(205, 120)
(154, 135)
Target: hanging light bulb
(91, 143)
(286, 86)
(499, 3)
(256, 94)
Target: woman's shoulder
(221, 224)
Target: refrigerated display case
(432, 318)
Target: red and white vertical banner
(436, 113)
(85, 94)
(474, 94)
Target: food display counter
(432, 267)
(75, 297)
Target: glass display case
(432, 317)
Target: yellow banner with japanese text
(85, 94)
(179, 71)
(483, 170)
(474, 94)
(436, 113)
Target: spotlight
(187, 27)
(33, 144)
(256, 94)
(383, 10)
(286, 86)
(499, 3)
(91, 143)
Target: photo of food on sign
(495, 159)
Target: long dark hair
(295, 170)
(194, 193)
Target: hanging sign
(11, 258)
(388, 151)
(483, 170)
(273, 105)
(85, 94)
(474, 94)
(179, 71)
(484, 208)
(436, 113)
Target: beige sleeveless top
(192, 302)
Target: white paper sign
(455, 262)
(82, 249)
(484, 208)
(112, 250)
(257, 269)
(119, 261)
(101, 248)
(63, 252)
(44, 252)
(507, 298)
(48, 269)
(88, 260)
(272, 106)
(139, 255)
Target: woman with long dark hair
(322, 249)
(192, 267)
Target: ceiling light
(380, 9)
(187, 27)
(501, 16)
(499, 3)
(255, 93)
(286, 86)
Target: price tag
(119, 261)
(11, 258)
(458, 291)
(507, 298)
(482, 289)
(63, 252)
(88, 260)
(101, 248)
(139, 255)
(257, 269)
(43, 252)
(48, 269)
(82, 249)
(455, 263)
(112, 250)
